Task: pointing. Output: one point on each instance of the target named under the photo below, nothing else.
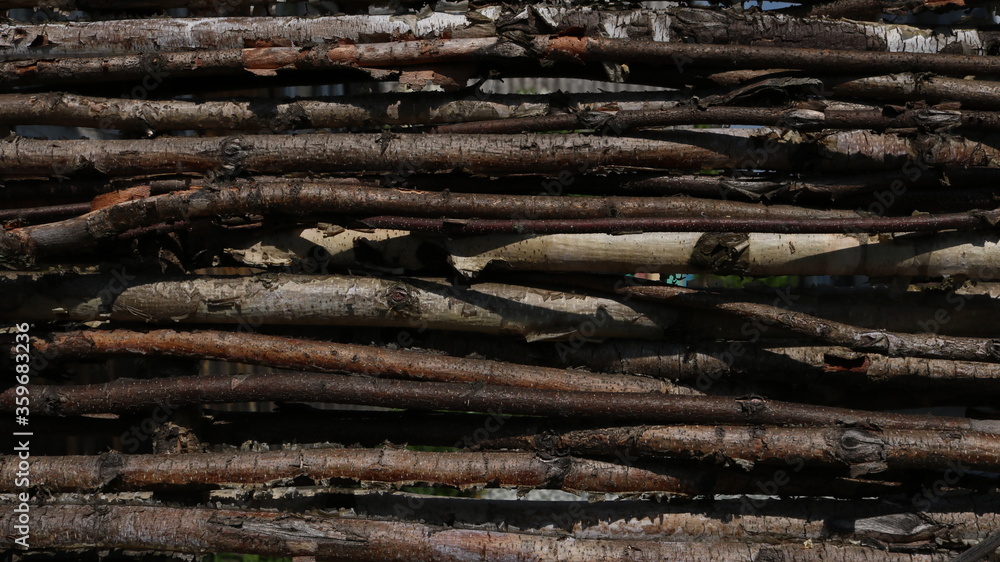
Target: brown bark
(677, 24)
(835, 333)
(862, 450)
(492, 154)
(401, 467)
(326, 357)
(372, 112)
(453, 226)
(803, 119)
(126, 395)
(340, 538)
(689, 57)
(294, 197)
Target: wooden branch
(571, 154)
(271, 196)
(401, 467)
(835, 333)
(326, 357)
(456, 226)
(416, 304)
(126, 395)
(863, 451)
(201, 530)
(688, 57)
(803, 119)
(677, 24)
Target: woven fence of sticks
(499, 281)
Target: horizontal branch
(200, 530)
(672, 24)
(401, 467)
(127, 395)
(558, 50)
(862, 450)
(457, 226)
(327, 357)
(803, 119)
(290, 197)
(835, 333)
(332, 300)
(570, 154)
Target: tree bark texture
(336, 538)
(677, 24)
(417, 304)
(528, 49)
(128, 395)
(493, 154)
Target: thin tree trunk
(339, 538)
(326, 357)
(401, 467)
(417, 304)
(803, 119)
(874, 225)
(127, 395)
(492, 154)
(863, 451)
(688, 57)
(52, 108)
(835, 333)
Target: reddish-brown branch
(126, 395)
(959, 221)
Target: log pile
(743, 311)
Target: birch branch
(753, 254)
(126, 395)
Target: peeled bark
(835, 333)
(419, 304)
(127, 395)
(754, 254)
(269, 533)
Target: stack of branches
(418, 296)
